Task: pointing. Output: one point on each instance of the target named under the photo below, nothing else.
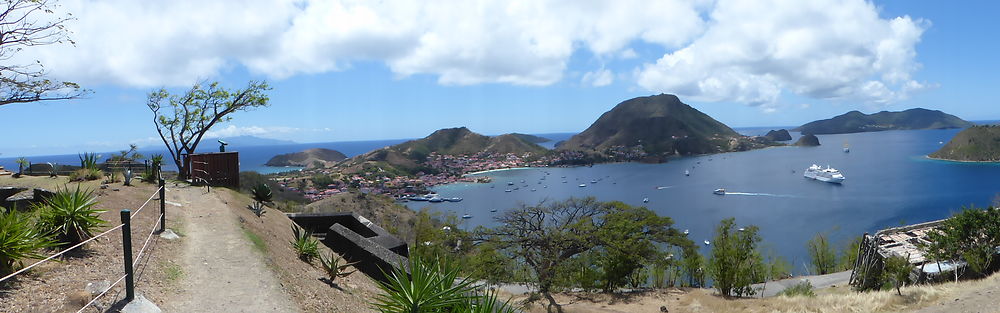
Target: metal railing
(126, 227)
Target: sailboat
(687, 173)
(847, 148)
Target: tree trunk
(552, 303)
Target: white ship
(828, 174)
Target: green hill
(856, 122)
(409, 157)
(308, 158)
(662, 125)
(975, 144)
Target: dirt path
(221, 270)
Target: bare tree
(24, 24)
(189, 116)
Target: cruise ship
(828, 174)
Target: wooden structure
(901, 241)
(214, 169)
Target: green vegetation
(261, 193)
(304, 244)
(977, 144)
(257, 242)
(127, 155)
(88, 160)
(849, 255)
(333, 268)
(803, 289)
(736, 263)
(434, 286)
(152, 173)
(897, 272)
(20, 239)
(70, 215)
(173, 271)
(972, 235)
(183, 119)
(856, 122)
(22, 163)
(822, 255)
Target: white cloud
(826, 49)
(259, 131)
(599, 78)
(726, 50)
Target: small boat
(564, 182)
(493, 211)
(418, 198)
(720, 191)
(510, 183)
(582, 185)
(452, 199)
(493, 186)
(533, 189)
(436, 200)
(593, 181)
(508, 190)
(847, 148)
(466, 216)
(686, 232)
(707, 242)
(645, 200)
(687, 173)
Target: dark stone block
(358, 240)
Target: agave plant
(70, 215)
(435, 287)
(53, 169)
(128, 177)
(304, 244)
(257, 208)
(88, 160)
(261, 193)
(333, 267)
(19, 240)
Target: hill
(974, 144)
(409, 157)
(530, 138)
(778, 135)
(808, 140)
(310, 158)
(856, 122)
(660, 125)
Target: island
(656, 127)
(808, 140)
(857, 122)
(311, 158)
(974, 144)
(778, 135)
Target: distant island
(657, 127)
(974, 144)
(778, 135)
(311, 158)
(530, 138)
(857, 122)
(807, 140)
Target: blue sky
(353, 70)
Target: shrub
(304, 244)
(735, 263)
(88, 160)
(70, 215)
(85, 174)
(333, 268)
(803, 288)
(19, 240)
(897, 271)
(972, 235)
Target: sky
(364, 70)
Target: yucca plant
(19, 240)
(304, 244)
(261, 193)
(333, 268)
(88, 160)
(435, 287)
(70, 215)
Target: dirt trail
(221, 270)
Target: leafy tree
(822, 254)
(182, 120)
(693, 265)
(630, 236)
(897, 271)
(849, 255)
(972, 235)
(24, 24)
(735, 263)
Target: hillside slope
(974, 144)
(856, 122)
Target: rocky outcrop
(778, 135)
(808, 140)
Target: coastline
(499, 170)
(929, 157)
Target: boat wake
(663, 187)
(758, 194)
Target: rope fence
(129, 273)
